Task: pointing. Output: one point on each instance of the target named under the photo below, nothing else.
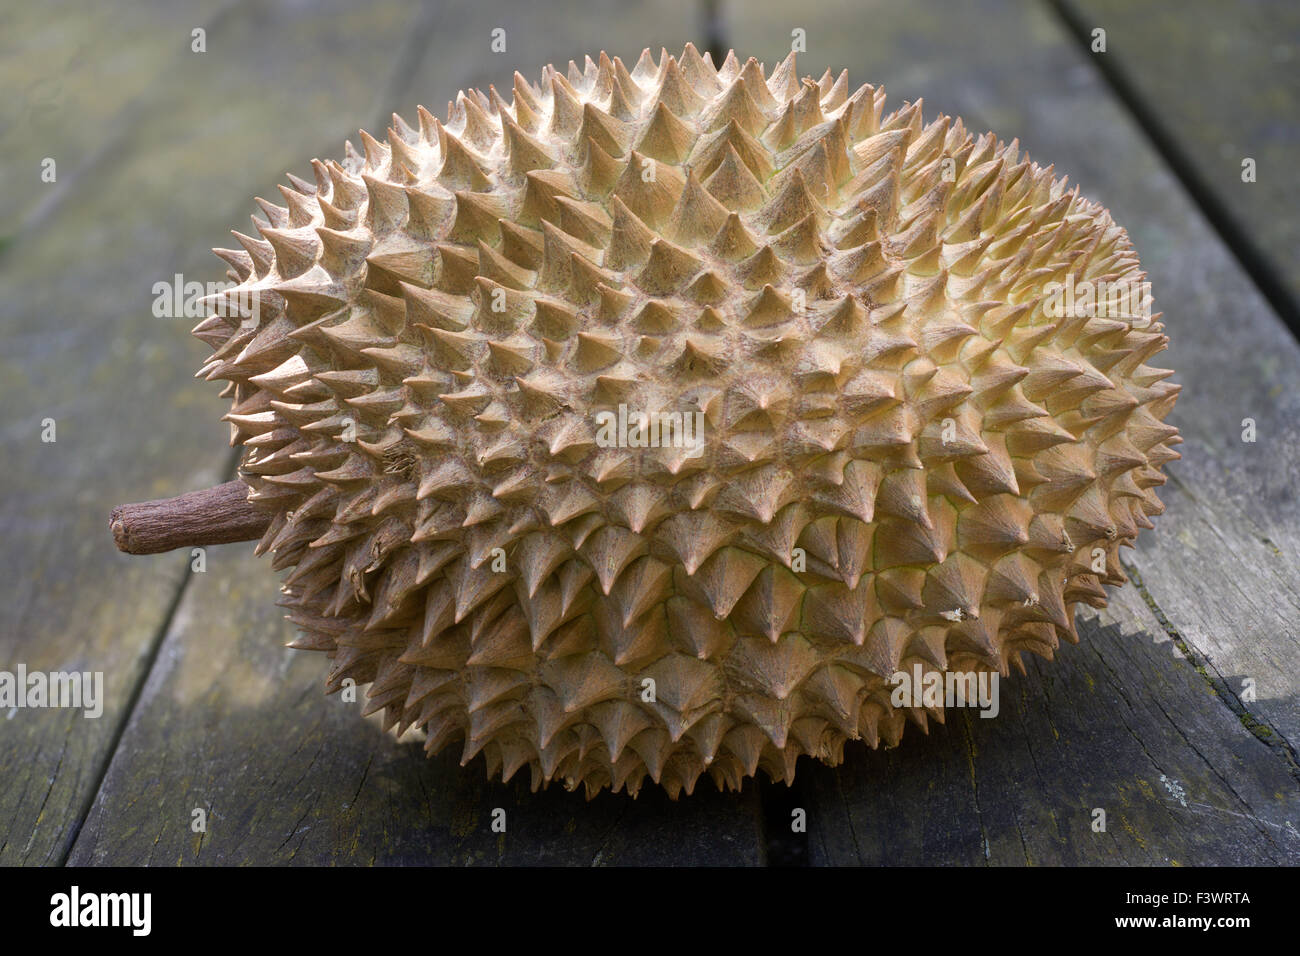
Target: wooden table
(1177, 714)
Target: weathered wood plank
(1229, 543)
(71, 96)
(82, 348)
(1120, 723)
(232, 722)
(1220, 565)
(1222, 83)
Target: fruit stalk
(209, 516)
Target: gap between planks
(423, 24)
(1238, 242)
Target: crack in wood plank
(1220, 687)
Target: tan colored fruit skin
(908, 458)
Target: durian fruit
(906, 460)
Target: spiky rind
(907, 459)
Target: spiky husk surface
(906, 460)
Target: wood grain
(1120, 723)
(83, 348)
(1218, 84)
(54, 65)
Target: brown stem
(211, 516)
